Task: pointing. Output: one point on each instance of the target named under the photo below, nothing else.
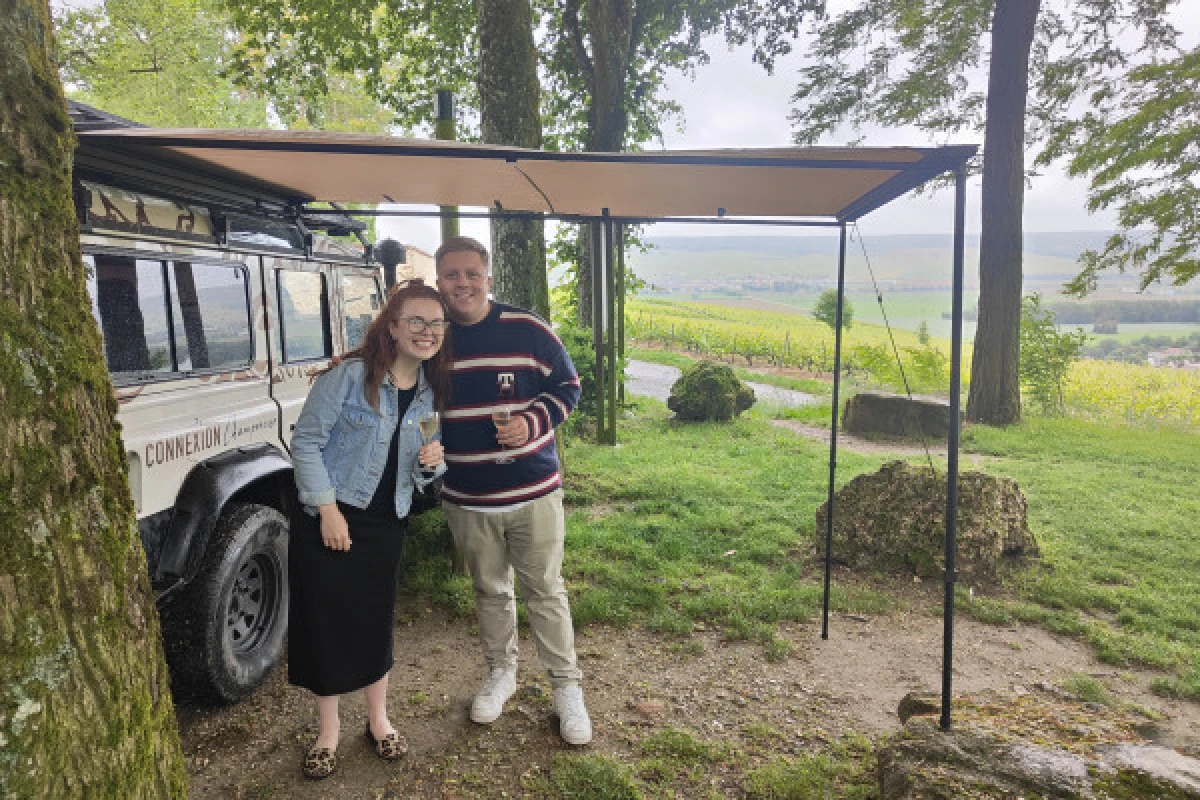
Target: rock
(926, 762)
(893, 521)
(649, 708)
(1161, 764)
(880, 412)
(915, 704)
(707, 391)
(989, 752)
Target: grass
(1115, 511)
(688, 525)
(812, 777)
(1088, 689)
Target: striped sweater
(509, 347)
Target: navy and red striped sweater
(510, 346)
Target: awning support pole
(837, 380)
(620, 329)
(951, 573)
(610, 329)
(598, 322)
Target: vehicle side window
(303, 315)
(211, 315)
(160, 318)
(361, 300)
(130, 303)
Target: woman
(358, 455)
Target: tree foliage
(903, 62)
(825, 310)
(403, 51)
(159, 62)
(1141, 148)
(900, 62)
(172, 63)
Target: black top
(384, 499)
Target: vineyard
(785, 339)
(1108, 390)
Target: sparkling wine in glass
(429, 423)
(503, 413)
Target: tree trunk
(995, 396)
(610, 30)
(508, 96)
(85, 707)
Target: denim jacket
(340, 443)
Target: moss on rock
(709, 392)
(894, 521)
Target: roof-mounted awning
(838, 183)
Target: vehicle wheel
(224, 633)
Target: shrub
(578, 342)
(709, 392)
(1046, 355)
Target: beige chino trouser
(528, 542)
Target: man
(503, 492)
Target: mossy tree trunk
(85, 708)
(509, 115)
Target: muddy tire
(225, 631)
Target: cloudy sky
(733, 103)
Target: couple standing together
(358, 457)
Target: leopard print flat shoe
(390, 747)
(320, 762)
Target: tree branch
(575, 39)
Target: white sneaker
(574, 724)
(489, 701)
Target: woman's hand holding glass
(431, 455)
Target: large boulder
(1031, 745)
(897, 415)
(709, 392)
(893, 520)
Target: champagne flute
(429, 424)
(501, 417)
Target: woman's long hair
(378, 348)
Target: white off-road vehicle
(217, 301)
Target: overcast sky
(733, 103)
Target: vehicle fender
(202, 498)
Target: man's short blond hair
(461, 244)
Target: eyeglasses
(419, 324)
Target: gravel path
(655, 380)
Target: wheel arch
(261, 474)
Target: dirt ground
(636, 683)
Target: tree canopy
(1141, 148)
(159, 62)
(918, 58)
(825, 310)
(901, 62)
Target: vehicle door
(187, 363)
(360, 299)
(300, 305)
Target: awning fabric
(820, 182)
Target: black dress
(342, 608)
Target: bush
(578, 342)
(1046, 355)
(709, 392)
